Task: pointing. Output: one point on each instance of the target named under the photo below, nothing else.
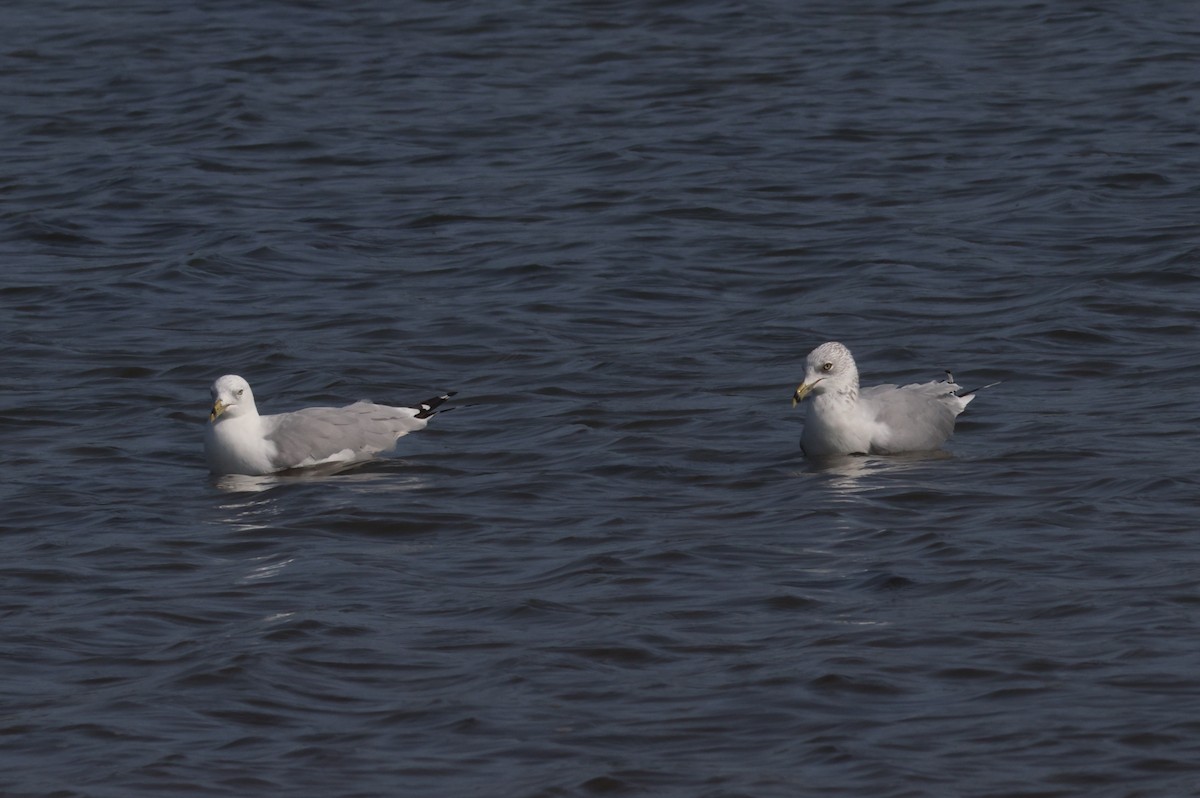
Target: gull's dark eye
(827, 367)
(242, 390)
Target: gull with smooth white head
(240, 441)
(882, 419)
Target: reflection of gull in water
(367, 481)
(883, 419)
(240, 441)
(848, 474)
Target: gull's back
(329, 434)
(912, 418)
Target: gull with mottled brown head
(240, 441)
(882, 419)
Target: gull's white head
(829, 368)
(232, 397)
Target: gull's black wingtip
(964, 394)
(430, 406)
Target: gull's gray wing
(913, 418)
(318, 434)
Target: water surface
(616, 229)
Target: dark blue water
(616, 229)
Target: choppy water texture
(616, 229)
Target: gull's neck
(842, 395)
(237, 445)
